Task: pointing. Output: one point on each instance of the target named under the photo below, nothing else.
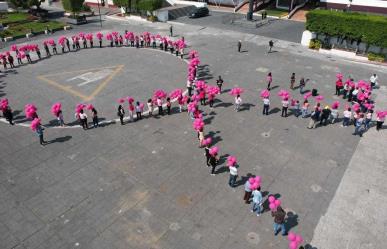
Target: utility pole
(99, 12)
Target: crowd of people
(359, 110)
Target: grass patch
(35, 26)
(275, 12)
(13, 18)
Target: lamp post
(99, 12)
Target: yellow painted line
(104, 83)
(78, 71)
(63, 88)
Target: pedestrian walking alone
(302, 85)
(266, 106)
(239, 46)
(292, 80)
(213, 161)
(219, 83)
(269, 79)
(238, 102)
(271, 44)
(94, 114)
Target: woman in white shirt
(285, 105)
(83, 118)
(266, 106)
(238, 102)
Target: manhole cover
(253, 238)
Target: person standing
(292, 80)
(347, 115)
(339, 86)
(368, 119)
(285, 106)
(189, 87)
(121, 113)
(150, 107)
(302, 85)
(39, 132)
(68, 44)
(94, 114)
(207, 154)
(159, 103)
(297, 109)
(315, 116)
(334, 114)
(271, 44)
(171, 31)
(219, 83)
(8, 115)
(27, 53)
(131, 111)
(10, 60)
(279, 220)
(247, 194)
(239, 46)
(305, 108)
(138, 110)
(359, 125)
(233, 175)
(326, 113)
(257, 201)
(374, 80)
(269, 79)
(59, 116)
(83, 118)
(238, 102)
(379, 121)
(48, 54)
(169, 106)
(266, 106)
(4, 59)
(213, 161)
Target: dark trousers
(284, 112)
(338, 90)
(203, 101)
(207, 159)
(29, 58)
(160, 110)
(54, 50)
(138, 115)
(268, 86)
(122, 119)
(41, 140)
(265, 110)
(211, 102)
(84, 124)
(168, 110)
(189, 91)
(100, 44)
(232, 180)
(323, 120)
(95, 122)
(246, 197)
(213, 169)
(379, 125)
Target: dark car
(199, 12)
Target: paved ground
(145, 184)
(287, 30)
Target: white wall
(109, 2)
(372, 3)
(3, 6)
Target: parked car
(199, 12)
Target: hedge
(73, 6)
(370, 29)
(150, 5)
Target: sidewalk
(357, 216)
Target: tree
(123, 4)
(73, 6)
(36, 3)
(150, 5)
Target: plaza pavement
(145, 184)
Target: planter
(77, 21)
(9, 38)
(67, 27)
(29, 35)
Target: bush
(150, 5)
(152, 18)
(370, 29)
(376, 57)
(73, 5)
(315, 44)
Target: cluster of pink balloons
(274, 203)
(294, 240)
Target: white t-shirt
(266, 101)
(82, 115)
(238, 101)
(369, 115)
(347, 114)
(285, 103)
(233, 171)
(159, 102)
(373, 79)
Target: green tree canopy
(150, 5)
(73, 5)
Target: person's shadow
(291, 221)
(60, 139)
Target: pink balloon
(271, 199)
(298, 238)
(291, 236)
(293, 245)
(272, 206)
(277, 202)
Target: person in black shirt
(219, 82)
